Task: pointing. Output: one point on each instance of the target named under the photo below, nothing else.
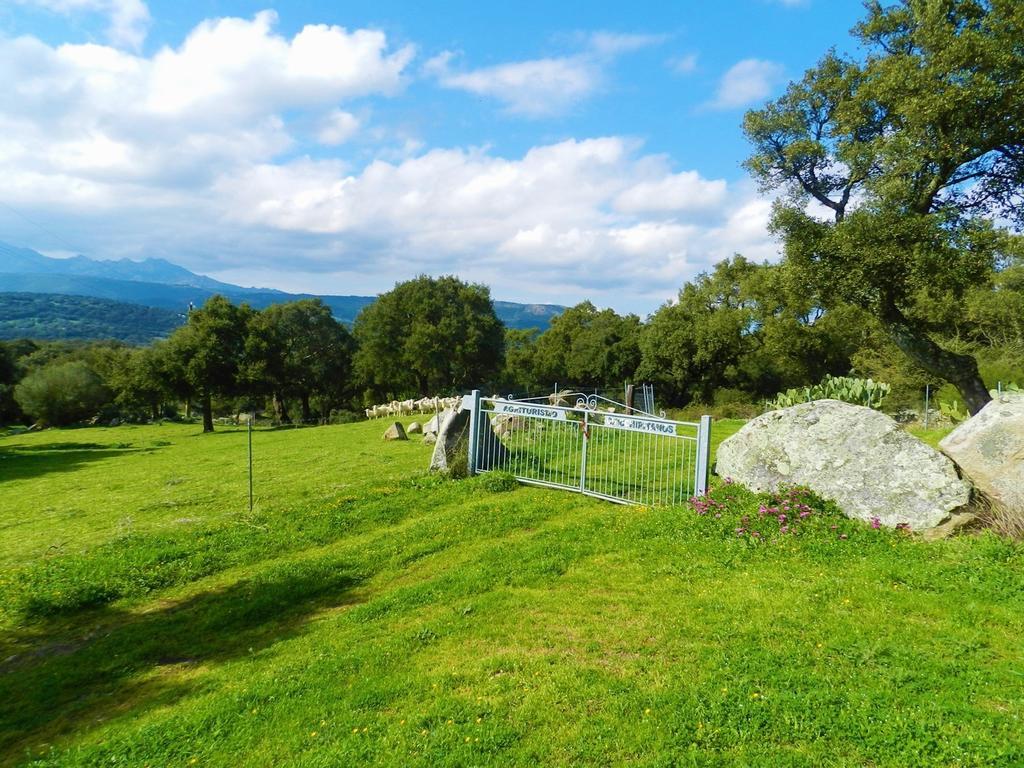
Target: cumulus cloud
(532, 88)
(545, 86)
(746, 82)
(337, 127)
(564, 220)
(128, 19)
(107, 118)
(192, 153)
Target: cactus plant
(866, 392)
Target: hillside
(57, 316)
(159, 283)
(388, 617)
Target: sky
(555, 151)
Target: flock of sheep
(409, 407)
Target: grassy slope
(369, 614)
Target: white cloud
(545, 86)
(337, 128)
(746, 82)
(128, 19)
(678, 192)
(107, 118)
(616, 43)
(683, 65)
(566, 219)
(531, 88)
(193, 153)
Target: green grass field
(367, 613)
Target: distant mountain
(26, 261)
(159, 283)
(56, 316)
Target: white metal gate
(593, 447)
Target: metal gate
(593, 447)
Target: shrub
(62, 393)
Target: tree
(145, 381)
(427, 336)
(62, 393)
(742, 327)
(588, 347)
(913, 153)
(299, 350)
(208, 351)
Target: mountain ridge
(165, 285)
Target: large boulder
(451, 451)
(858, 457)
(432, 426)
(989, 447)
(395, 432)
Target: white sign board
(533, 411)
(640, 425)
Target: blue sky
(556, 151)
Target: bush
(62, 393)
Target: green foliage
(865, 392)
(743, 327)
(429, 336)
(59, 316)
(951, 410)
(914, 151)
(206, 355)
(587, 347)
(61, 393)
(299, 350)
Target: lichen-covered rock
(430, 438)
(432, 426)
(858, 457)
(989, 447)
(395, 432)
(451, 451)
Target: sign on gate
(533, 411)
(631, 458)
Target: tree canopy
(429, 335)
(897, 170)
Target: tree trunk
(280, 409)
(959, 370)
(207, 412)
(307, 415)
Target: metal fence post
(585, 426)
(474, 431)
(703, 456)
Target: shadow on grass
(113, 662)
(27, 461)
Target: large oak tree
(915, 155)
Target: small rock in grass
(415, 428)
(395, 432)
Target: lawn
(367, 613)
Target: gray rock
(430, 438)
(989, 447)
(432, 426)
(451, 451)
(415, 428)
(395, 432)
(858, 457)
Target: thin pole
(252, 417)
(927, 394)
